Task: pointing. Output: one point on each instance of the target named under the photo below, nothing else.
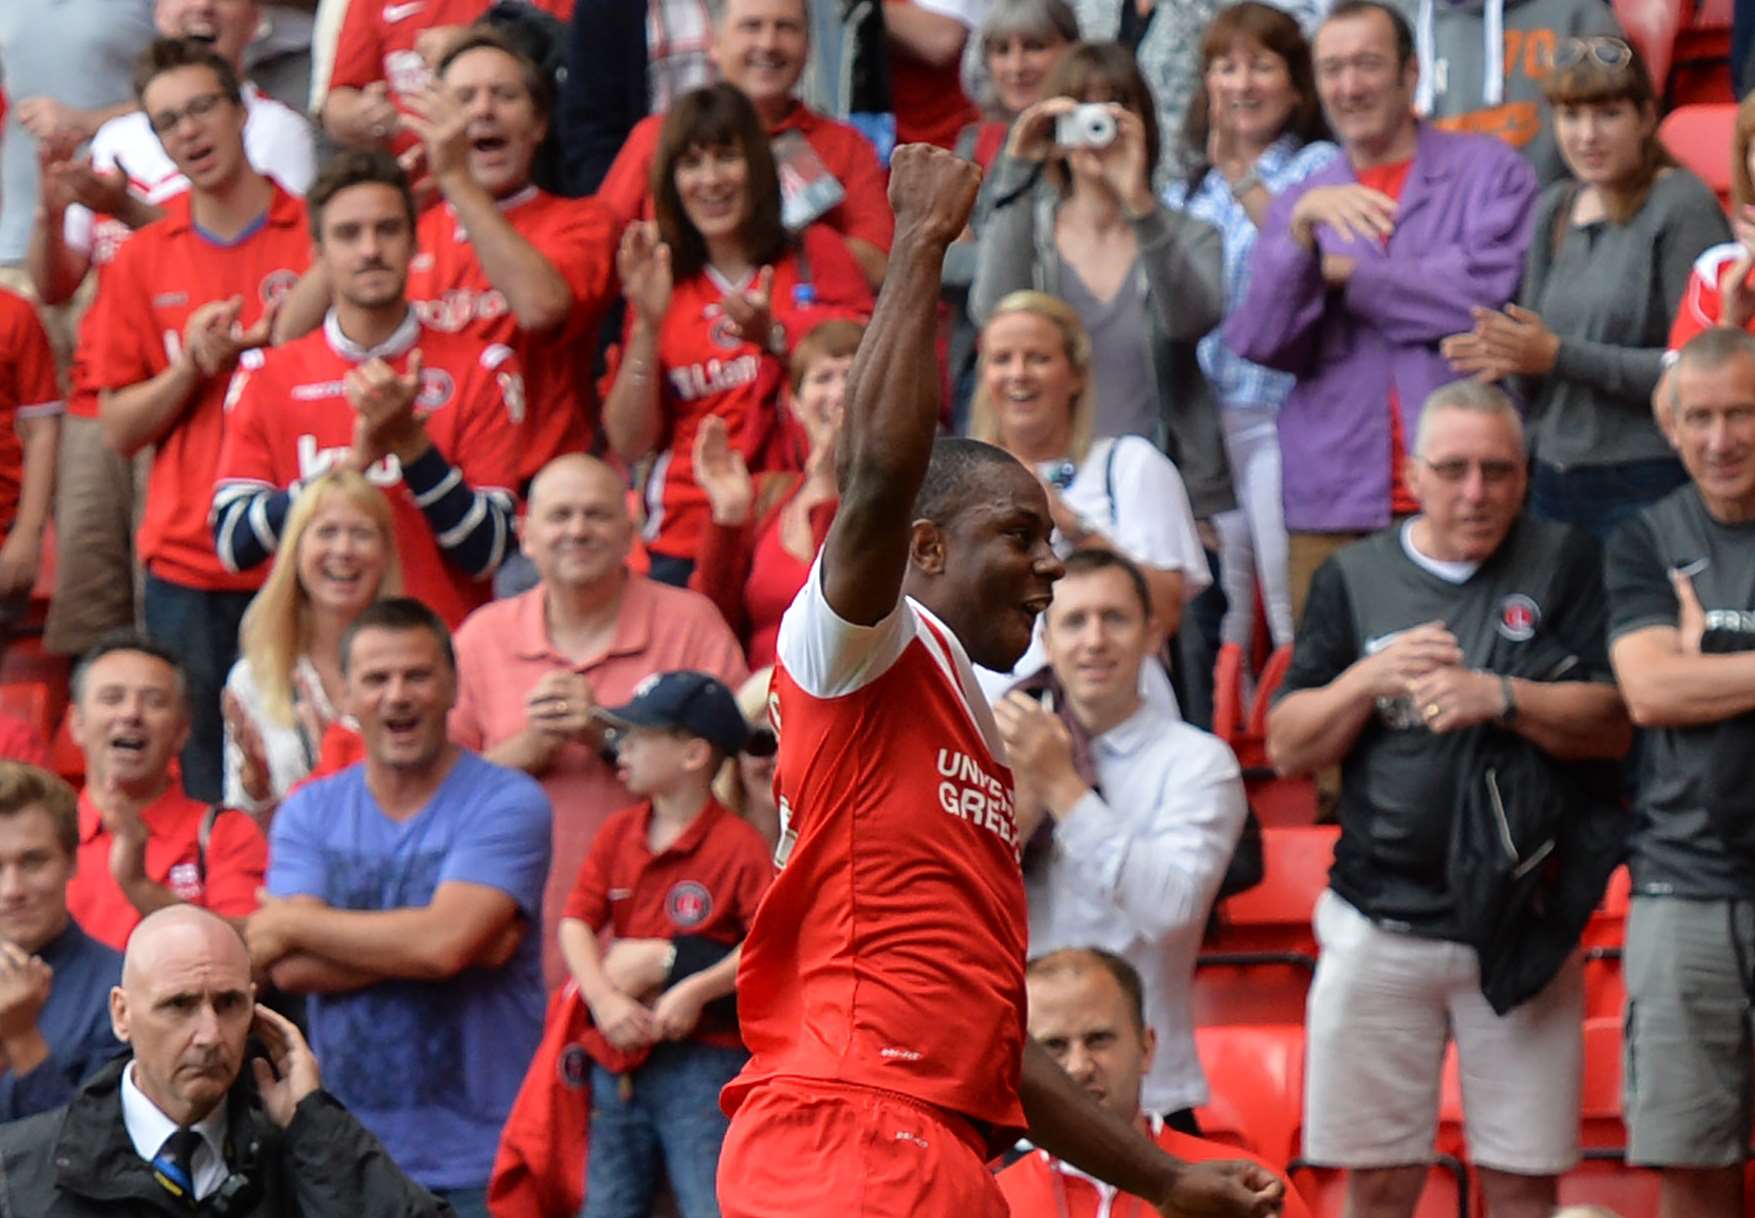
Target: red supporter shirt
(236, 862)
(889, 951)
(108, 237)
(1041, 1186)
(21, 741)
(163, 274)
(930, 105)
(378, 36)
(706, 370)
(28, 390)
(290, 421)
(863, 214)
(451, 291)
(1390, 179)
(707, 883)
(1702, 303)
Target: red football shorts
(811, 1149)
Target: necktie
(173, 1166)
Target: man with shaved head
(181, 1123)
(532, 670)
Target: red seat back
(1255, 1077)
(1700, 138)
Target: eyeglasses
(1493, 473)
(761, 742)
(167, 121)
(1607, 51)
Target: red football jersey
(163, 274)
(290, 421)
(864, 213)
(889, 951)
(378, 36)
(706, 370)
(451, 291)
(28, 389)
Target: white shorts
(1382, 1008)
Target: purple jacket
(1459, 241)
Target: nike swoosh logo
(396, 12)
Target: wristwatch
(1508, 702)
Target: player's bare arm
(1066, 1122)
(893, 389)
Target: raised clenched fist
(932, 192)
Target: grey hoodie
(1482, 63)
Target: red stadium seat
(28, 701)
(1274, 916)
(69, 761)
(1251, 988)
(1700, 62)
(1700, 138)
(1256, 1078)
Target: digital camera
(1090, 125)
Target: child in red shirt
(678, 865)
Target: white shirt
(148, 1128)
(279, 143)
(290, 755)
(1135, 869)
(1139, 503)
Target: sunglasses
(1609, 52)
(761, 742)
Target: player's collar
(394, 347)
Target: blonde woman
(1035, 398)
(337, 556)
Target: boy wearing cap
(677, 864)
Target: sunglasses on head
(761, 742)
(1607, 51)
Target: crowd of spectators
(415, 479)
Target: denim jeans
(669, 1121)
(201, 628)
(1596, 498)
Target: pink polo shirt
(503, 649)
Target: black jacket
(78, 1161)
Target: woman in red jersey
(765, 530)
(717, 292)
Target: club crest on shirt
(689, 904)
(277, 284)
(720, 331)
(436, 388)
(574, 1067)
(1518, 617)
(185, 880)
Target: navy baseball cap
(686, 701)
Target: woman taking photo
(766, 530)
(338, 555)
(1254, 127)
(717, 293)
(1119, 493)
(1081, 222)
(1609, 256)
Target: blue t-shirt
(431, 1067)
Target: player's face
(1366, 94)
(998, 568)
(1019, 65)
(34, 871)
(1470, 481)
(1097, 637)
(186, 1016)
(504, 126)
(651, 761)
(822, 397)
(342, 555)
(202, 129)
(760, 46)
(228, 24)
(366, 243)
(400, 688)
(1029, 378)
(1082, 1020)
(1711, 425)
(129, 720)
(577, 531)
(713, 184)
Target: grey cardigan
(1180, 284)
(1609, 292)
